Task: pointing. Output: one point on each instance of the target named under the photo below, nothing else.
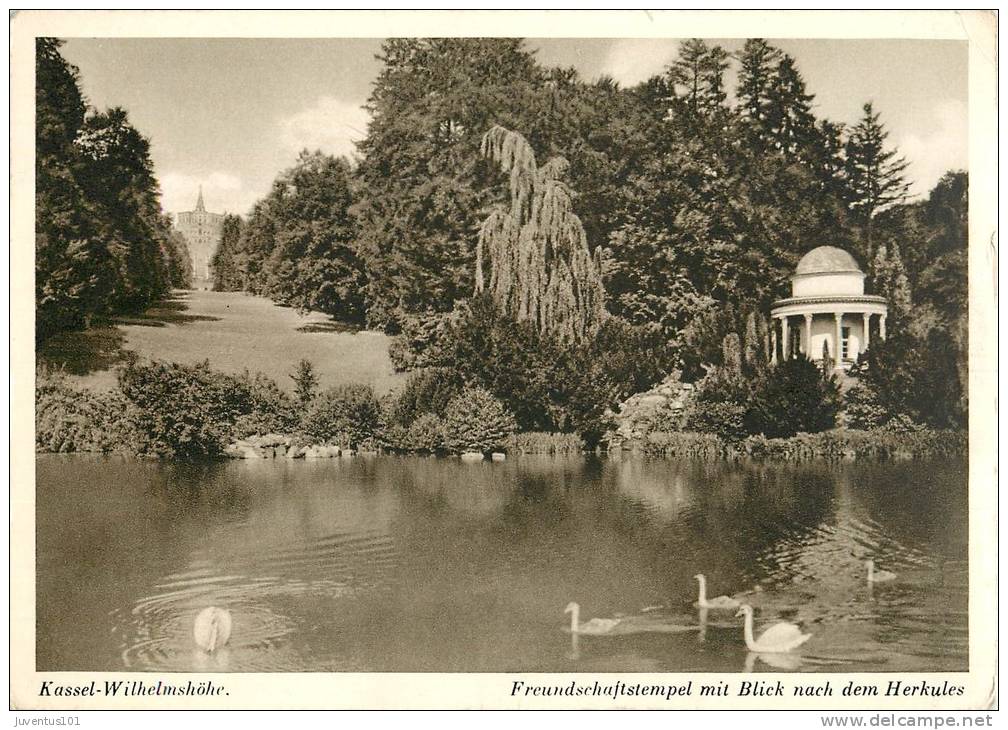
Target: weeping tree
(540, 268)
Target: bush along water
(69, 419)
(833, 445)
(790, 411)
(193, 411)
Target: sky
(230, 114)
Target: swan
(779, 638)
(595, 626)
(212, 628)
(722, 602)
(878, 576)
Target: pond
(416, 564)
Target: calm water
(411, 564)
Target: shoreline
(833, 446)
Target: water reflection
(395, 564)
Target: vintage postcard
(504, 360)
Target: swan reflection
(784, 662)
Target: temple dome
(827, 260)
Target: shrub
(688, 445)
(875, 444)
(270, 409)
(549, 386)
(419, 343)
(902, 423)
(185, 410)
(425, 434)
(539, 442)
(840, 444)
(348, 415)
(863, 407)
(68, 419)
(724, 419)
(917, 374)
(193, 410)
(476, 421)
(305, 381)
(791, 398)
(425, 391)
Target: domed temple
(828, 310)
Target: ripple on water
(156, 631)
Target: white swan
(595, 626)
(212, 628)
(721, 602)
(878, 576)
(779, 638)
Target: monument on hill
(202, 231)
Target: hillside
(235, 332)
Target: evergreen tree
(874, 174)
(826, 157)
(305, 381)
(793, 397)
(421, 196)
(789, 120)
(887, 277)
(696, 80)
(227, 263)
(757, 344)
(758, 63)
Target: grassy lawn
(235, 332)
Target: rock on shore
(277, 446)
(636, 416)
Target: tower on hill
(202, 232)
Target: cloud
(331, 125)
(633, 60)
(222, 191)
(943, 147)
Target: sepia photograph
(503, 354)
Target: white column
(785, 350)
(773, 343)
(867, 328)
(881, 327)
(838, 341)
(808, 336)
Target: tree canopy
(102, 243)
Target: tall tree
(73, 269)
(102, 243)
(118, 174)
(421, 195)
(758, 62)
(175, 251)
(887, 277)
(540, 268)
(313, 263)
(228, 262)
(943, 281)
(696, 79)
(790, 123)
(874, 173)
